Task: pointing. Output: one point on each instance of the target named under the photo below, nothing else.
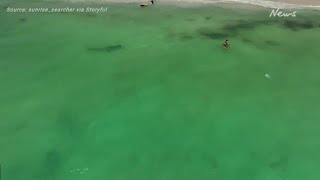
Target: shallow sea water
(150, 94)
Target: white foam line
(273, 4)
(262, 3)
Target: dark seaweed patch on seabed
(296, 25)
(107, 48)
(231, 29)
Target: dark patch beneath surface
(272, 43)
(212, 34)
(190, 19)
(212, 162)
(53, 159)
(21, 125)
(296, 25)
(231, 30)
(276, 159)
(169, 15)
(207, 18)
(51, 164)
(185, 37)
(23, 19)
(246, 40)
(279, 164)
(107, 48)
(244, 25)
(70, 125)
(241, 25)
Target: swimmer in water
(226, 43)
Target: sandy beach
(301, 2)
(264, 3)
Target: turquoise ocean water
(150, 94)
